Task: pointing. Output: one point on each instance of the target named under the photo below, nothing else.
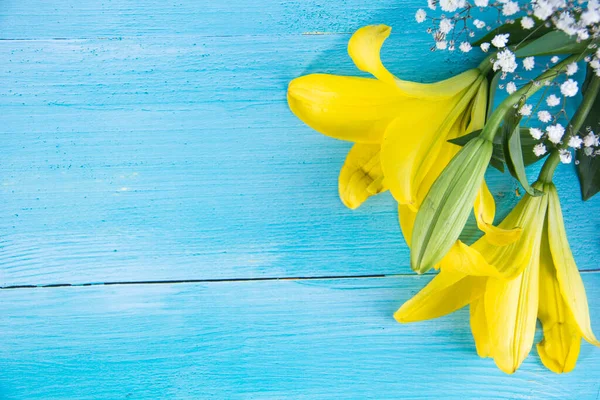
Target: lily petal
(569, 279)
(446, 293)
(560, 347)
(412, 143)
(346, 108)
(510, 260)
(407, 217)
(361, 175)
(410, 147)
(479, 328)
(485, 209)
(463, 259)
(364, 48)
(511, 313)
(407, 214)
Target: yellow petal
(407, 217)
(512, 259)
(364, 48)
(479, 328)
(446, 293)
(485, 208)
(479, 109)
(560, 347)
(569, 279)
(347, 108)
(412, 142)
(410, 146)
(446, 153)
(361, 175)
(463, 259)
(511, 312)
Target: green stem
(486, 64)
(493, 123)
(574, 125)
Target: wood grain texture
(177, 158)
(27, 19)
(269, 340)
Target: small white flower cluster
(578, 18)
(554, 134)
(461, 27)
(574, 17)
(590, 142)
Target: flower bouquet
(430, 144)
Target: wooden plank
(292, 339)
(177, 158)
(31, 19)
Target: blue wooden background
(169, 229)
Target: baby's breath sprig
(545, 117)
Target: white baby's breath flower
(566, 23)
(485, 47)
(539, 149)
(575, 142)
(555, 133)
(481, 3)
(542, 9)
(552, 100)
(505, 61)
(511, 87)
(536, 133)
(565, 156)
(595, 63)
(465, 47)
(431, 4)
(479, 24)
(525, 110)
(420, 15)
(572, 69)
(510, 8)
(527, 22)
(583, 34)
(451, 5)
(554, 59)
(590, 140)
(591, 15)
(441, 44)
(500, 40)
(588, 151)
(569, 88)
(544, 116)
(528, 63)
(446, 25)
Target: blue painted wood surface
(151, 141)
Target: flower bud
(446, 208)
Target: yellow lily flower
(509, 287)
(400, 128)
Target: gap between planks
(130, 37)
(222, 280)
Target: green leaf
(554, 42)
(516, 31)
(462, 140)
(497, 161)
(588, 168)
(588, 171)
(513, 153)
